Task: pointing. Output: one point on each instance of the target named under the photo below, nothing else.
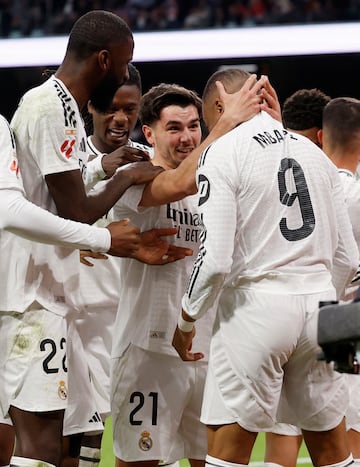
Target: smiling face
(112, 128)
(175, 135)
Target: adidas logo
(95, 418)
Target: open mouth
(117, 133)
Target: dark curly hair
(304, 109)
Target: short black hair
(341, 121)
(231, 78)
(95, 31)
(304, 109)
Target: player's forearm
(173, 185)
(72, 202)
(94, 172)
(21, 217)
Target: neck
(77, 80)
(345, 161)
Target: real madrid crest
(62, 390)
(145, 442)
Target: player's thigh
(148, 394)
(82, 413)
(193, 431)
(230, 442)
(327, 447)
(35, 368)
(257, 333)
(316, 394)
(282, 448)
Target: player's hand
(156, 251)
(84, 254)
(125, 238)
(271, 103)
(141, 172)
(121, 156)
(243, 104)
(182, 342)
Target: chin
(117, 141)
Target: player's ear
(147, 130)
(219, 106)
(104, 59)
(90, 107)
(320, 137)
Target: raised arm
(175, 184)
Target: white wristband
(185, 326)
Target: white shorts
(286, 429)
(95, 327)
(155, 406)
(81, 414)
(267, 344)
(353, 411)
(33, 363)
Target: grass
(107, 458)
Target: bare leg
(71, 450)
(230, 443)
(327, 447)
(38, 434)
(282, 449)
(197, 462)
(7, 440)
(354, 442)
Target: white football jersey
(273, 208)
(50, 138)
(351, 187)
(14, 294)
(150, 296)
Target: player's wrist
(184, 325)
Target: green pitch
(107, 458)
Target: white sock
(271, 464)
(344, 463)
(89, 457)
(25, 462)
(214, 462)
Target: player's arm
(172, 185)
(23, 218)
(346, 258)
(72, 202)
(183, 337)
(105, 165)
(214, 260)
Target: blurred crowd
(19, 18)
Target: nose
(186, 135)
(120, 116)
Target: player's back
(288, 201)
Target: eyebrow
(177, 122)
